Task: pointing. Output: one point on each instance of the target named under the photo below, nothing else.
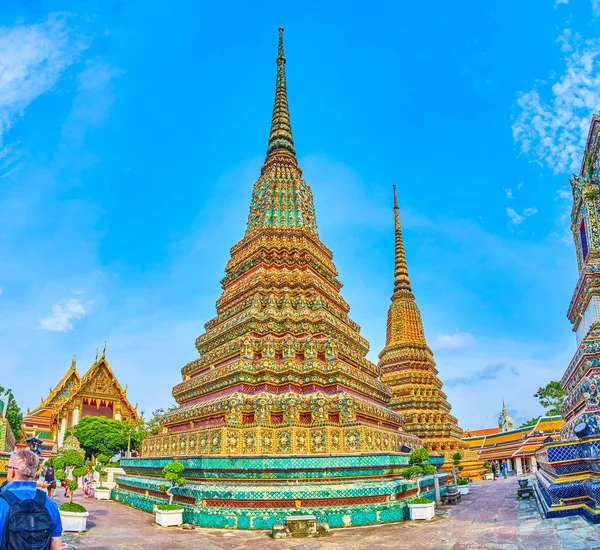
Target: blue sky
(131, 134)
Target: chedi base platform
(242, 492)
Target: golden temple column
(117, 411)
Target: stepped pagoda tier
(96, 393)
(282, 368)
(281, 413)
(407, 364)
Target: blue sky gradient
(131, 134)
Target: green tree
(551, 397)
(152, 425)
(531, 422)
(13, 412)
(99, 435)
(172, 474)
(74, 459)
(418, 459)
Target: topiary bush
(172, 474)
(418, 459)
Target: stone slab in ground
(489, 517)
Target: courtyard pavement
(489, 517)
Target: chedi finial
(401, 281)
(280, 137)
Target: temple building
(505, 421)
(97, 393)
(517, 446)
(7, 437)
(281, 411)
(407, 364)
(569, 474)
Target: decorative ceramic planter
(489, 476)
(168, 518)
(463, 489)
(523, 483)
(102, 494)
(422, 511)
(74, 522)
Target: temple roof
(98, 380)
(64, 387)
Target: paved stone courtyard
(490, 517)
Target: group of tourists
(499, 469)
(47, 480)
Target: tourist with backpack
(29, 520)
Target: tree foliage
(551, 397)
(418, 456)
(172, 474)
(99, 435)
(152, 425)
(13, 412)
(75, 460)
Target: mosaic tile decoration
(568, 481)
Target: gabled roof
(96, 378)
(63, 389)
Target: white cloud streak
(63, 316)
(454, 342)
(32, 59)
(552, 125)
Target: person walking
(503, 468)
(87, 483)
(50, 479)
(28, 518)
(494, 469)
(69, 473)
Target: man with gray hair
(28, 519)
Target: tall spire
(281, 198)
(280, 137)
(401, 281)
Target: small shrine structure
(96, 393)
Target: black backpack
(28, 524)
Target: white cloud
(530, 211)
(517, 218)
(1, 291)
(557, 2)
(509, 193)
(454, 342)
(552, 125)
(596, 7)
(32, 59)
(62, 316)
(563, 194)
(514, 217)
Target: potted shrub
(420, 508)
(463, 486)
(171, 514)
(100, 491)
(488, 470)
(73, 516)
